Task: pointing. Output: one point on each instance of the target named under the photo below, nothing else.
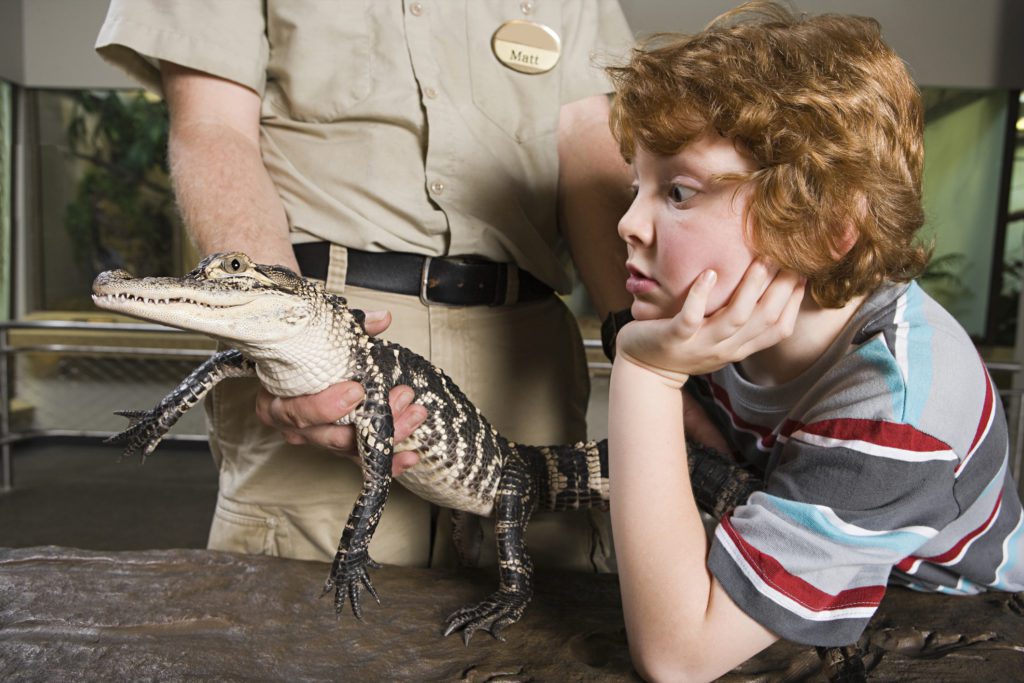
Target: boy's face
(682, 223)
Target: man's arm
(229, 203)
(226, 197)
(593, 194)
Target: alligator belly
(451, 483)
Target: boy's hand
(761, 312)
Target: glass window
(964, 148)
(6, 166)
(102, 195)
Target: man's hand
(761, 312)
(313, 419)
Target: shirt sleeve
(226, 38)
(598, 35)
(809, 557)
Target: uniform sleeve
(596, 35)
(225, 38)
(810, 556)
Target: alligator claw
(348, 580)
(501, 609)
(143, 434)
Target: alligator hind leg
(512, 509)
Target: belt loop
(511, 284)
(337, 269)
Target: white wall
(965, 43)
(48, 44)
(962, 43)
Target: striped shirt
(885, 462)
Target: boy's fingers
(753, 285)
(691, 315)
(779, 327)
(777, 297)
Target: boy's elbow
(666, 665)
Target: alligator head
(269, 313)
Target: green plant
(123, 212)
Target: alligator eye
(232, 266)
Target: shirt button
(430, 93)
(437, 187)
(416, 8)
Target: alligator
(298, 338)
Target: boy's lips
(638, 283)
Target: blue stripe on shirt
(899, 543)
(877, 353)
(919, 355)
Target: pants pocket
(245, 529)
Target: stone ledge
(68, 614)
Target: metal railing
(176, 363)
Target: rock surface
(68, 614)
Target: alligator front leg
(512, 509)
(375, 439)
(149, 426)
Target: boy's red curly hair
(828, 112)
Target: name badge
(526, 46)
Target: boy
(770, 139)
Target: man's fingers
(376, 321)
(403, 461)
(300, 412)
(408, 421)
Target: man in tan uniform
(429, 158)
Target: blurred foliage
(1005, 303)
(942, 280)
(123, 213)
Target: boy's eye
(679, 194)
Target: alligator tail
(576, 477)
(572, 477)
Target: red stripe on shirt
(878, 432)
(987, 415)
(907, 563)
(721, 396)
(775, 575)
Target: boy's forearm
(660, 540)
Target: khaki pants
(522, 365)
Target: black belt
(436, 280)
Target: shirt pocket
(320, 57)
(525, 106)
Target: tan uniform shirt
(391, 126)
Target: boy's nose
(635, 226)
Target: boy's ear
(846, 242)
(850, 234)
